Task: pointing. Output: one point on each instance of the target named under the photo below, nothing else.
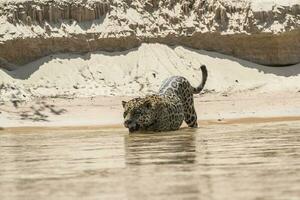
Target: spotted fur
(166, 110)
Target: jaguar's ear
(124, 103)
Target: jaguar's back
(180, 87)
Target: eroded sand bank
(140, 71)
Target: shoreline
(209, 122)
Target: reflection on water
(163, 148)
(214, 162)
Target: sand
(84, 90)
(140, 71)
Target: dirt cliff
(262, 32)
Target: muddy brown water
(259, 161)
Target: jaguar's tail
(204, 78)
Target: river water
(259, 161)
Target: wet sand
(232, 161)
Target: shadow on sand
(41, 111)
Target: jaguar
(165, 110)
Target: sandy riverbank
(103, 111)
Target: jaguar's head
(140, 113)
